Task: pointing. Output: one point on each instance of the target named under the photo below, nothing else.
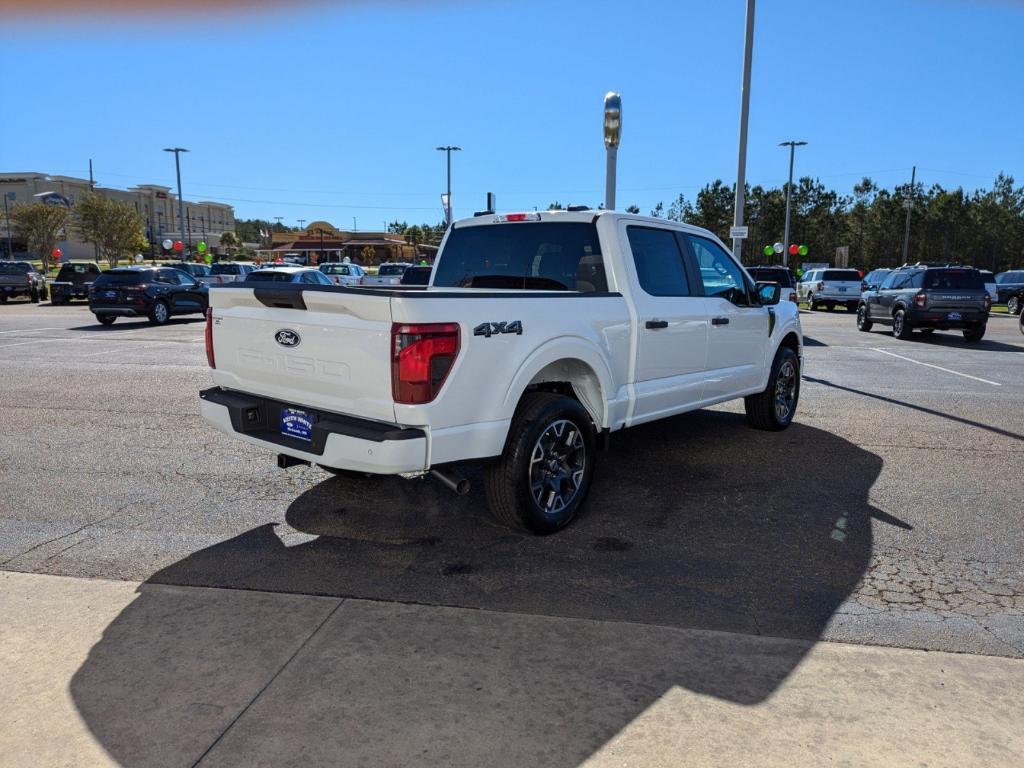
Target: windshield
(1010, 277)
(270, 276)
(547, 256)
(392, 270)
(842, 274)
(334, 269)
(953, 279)
(133, 277)
(780, 276)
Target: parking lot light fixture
(789, 194)
(181, 201)
(612, 135)
(448, 150)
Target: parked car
(928, 299)
(418, 275)
(227, 272)
(74, 281)
(343, 274)
(873, 279)
(154, 292)
(20, 278)
(991, 286)
(288, 274)
(542, 333)
(776, 274)
(830, 287)
(389, 273)
(1008, 284)
(193, 268)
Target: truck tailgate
(334, 354)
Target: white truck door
(671, 328)
(738, 332)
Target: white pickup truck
(538, 336)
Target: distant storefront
(321, 242)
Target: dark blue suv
(153, 292)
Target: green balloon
(208, 258)
(802, 250)
(768, 250)
(201, 247)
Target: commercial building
(157, 205)
(320, 242)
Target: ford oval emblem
(286, 337)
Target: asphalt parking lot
(889, 514)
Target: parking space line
(938, 367)
(34, 341)
(32, 330)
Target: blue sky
(332, 110)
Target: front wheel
(974, 334)
(863, 320)
(543, 475)
(774, 408)
(1013, 305)
(160, 312)
(901, 327)
(106, 319)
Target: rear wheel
(974, 334)
(901, 327)
(1013, 305)
(160, 313)
(811, 306)
(774, 408)
(106, 319)
(863, 319)
(44, 293)
(33, 295)
(542, 478)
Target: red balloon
(57, 253)
(177, 245)
(794, 250)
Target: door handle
(720, 321)
(657, 324)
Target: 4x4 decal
(490, 329)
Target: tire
(811, 306)
(106, 319)
(1013, 305)
(901, 327)
(774, 408)
(975, 334)
(546, 426)
(1021, 322)
(864, 319)
(44, 294)
(33, 295)
(3, 298)
(160, 313)
(831, 307)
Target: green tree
(229, 241)
(40, 225)
(115, 228)
(633, 208)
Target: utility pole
(181, 201)
(355, 224)
(789, 194)
(301, 222)
(92, 188)
(909, 205)
(448, 150)
(7, 218)
(741, 163)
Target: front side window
(544, 256)
(660, 268)
(722, 277)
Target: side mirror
(768, 294)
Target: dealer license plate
(955, 316)
(296, 423)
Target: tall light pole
(789, 193)
(448, 151)
(7, 217)
(181, 201)
(909, 205)
(301, 222)
(612, 135)
(741, 163)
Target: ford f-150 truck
(538, 335)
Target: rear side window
(391, 269)
(842, 274)
(544, 256)
(132, 277)
(659, 262)
(226, 269)
(953, 279)
(269, 276)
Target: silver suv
(830, 287)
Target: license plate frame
(297, 423)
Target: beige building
(320, 242)
(157, 205)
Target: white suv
(831, 288)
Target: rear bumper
(845, 298)
(939, 318)
(339, 441)
(118, 310)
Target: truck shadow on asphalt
(696, 522)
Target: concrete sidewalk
(116, 673)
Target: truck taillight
(988, 302)
(209, 338)
(421, 357)
(921, 300)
